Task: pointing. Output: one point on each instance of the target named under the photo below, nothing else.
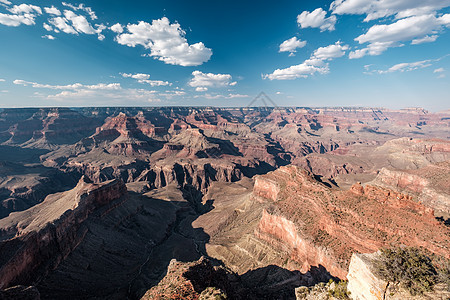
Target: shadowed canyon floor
(116, 203)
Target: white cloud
(16, 20)
(138, 76)
(117, 28)
(380, 9)
(5, 2)
(425, 39)
(2, 80)
(21, 14)
(201, 89)
(108, 97)
(61, 24)
(315, 64)
(316, 19)
(101, 93)
(166, 41)
(48, 36)
(25, 9)
(145, 78)
(72, 23)
(171, 94)
(219, 96)
(79, 23)
(291, 45)
(75, 86)
(47, 27)
(156, 82)
(329, 52)
(382, 37)
(82, 7)
(52, 11)
(407, 67)
(201, 79)
(302, 70)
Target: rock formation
(274, 198)
(364, 284)
(37, 239)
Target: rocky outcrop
(37, 239)
(191, 281)
(365, 284)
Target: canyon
(198, 202)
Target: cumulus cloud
(52, 11)
(80, 23)
(380, 9)
(166, 42)
(117, 28)
(48, 36)
(381, 37)
(138, 76)
(207, 80)
(16, 20)
(145, 78)
(73, 23)
(6, 2)
(291, 45)
(329, 52)
(21, 14)
(2, 80)
(201, 89)
(316, 19)
(62, 24)
(47, 27)
(317, 63)
(25, 9)
(439, 70)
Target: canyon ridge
(205, 202)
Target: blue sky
(391, 53)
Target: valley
(141, 203)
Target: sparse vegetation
(339, 290)
(211, 293)
(331, 290)
(409, 268)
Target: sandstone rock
(363, 284)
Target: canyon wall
(38, 239)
